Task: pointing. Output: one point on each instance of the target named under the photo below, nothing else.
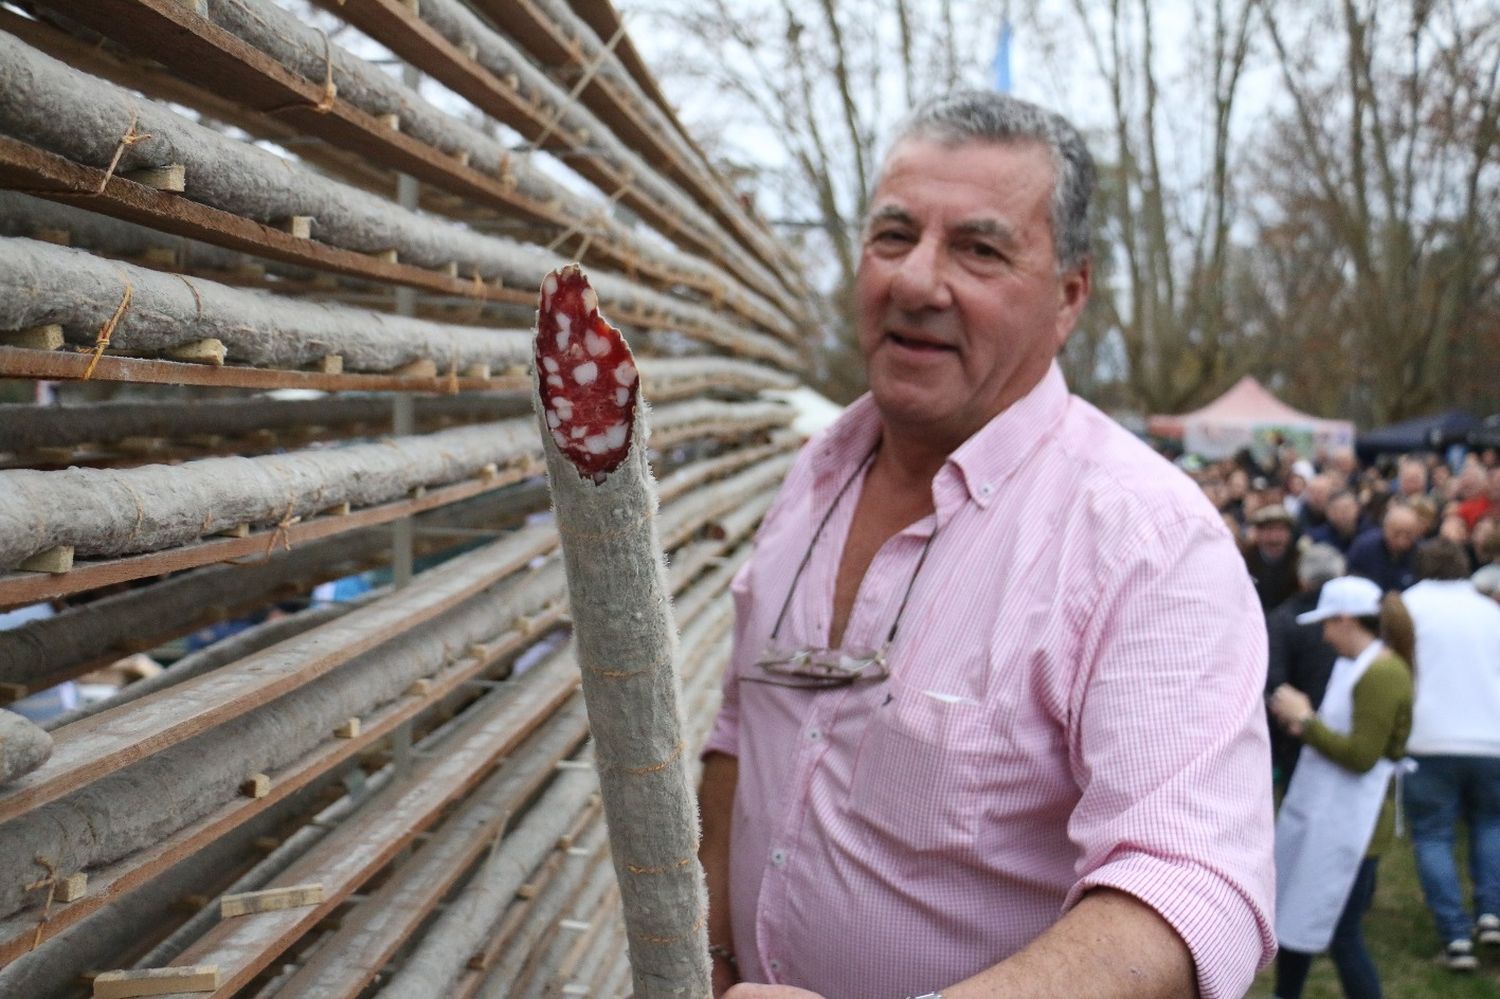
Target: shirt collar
(975, 471)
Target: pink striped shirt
(1075, 701)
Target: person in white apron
(1338, 813)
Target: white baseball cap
(1347, 596)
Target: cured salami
(586, 375)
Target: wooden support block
(337, 510)
(326, 282)
(48, 337)
(451, 268)
(348, 730)
(463, 158)
(71, 888)
(60, 237)
(237, 531)
(331, 364)
(248, 272)
(420, 687)
(171, 177)
(270, 900)
(469, 49)
(200, 352)
(526, 891)
(490, 471)
(477, 371)
(53, 560)
(266, 843)
(12, 692)
(298, 225)
(418, 492)
(256, 786)
(205, 440)
(158, 256)
(387, 256)
(424, 368)
(139, 445)
(391, 121)
(60, 455)
(156, 981)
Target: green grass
(1403, 942)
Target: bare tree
(1387, 169)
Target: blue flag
(1001, 65)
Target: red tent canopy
(1246, 416)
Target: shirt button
(778, 857)
(774, 964)
(986, 489)
(814, 734)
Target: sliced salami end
(588, 378)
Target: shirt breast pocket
(916, 773)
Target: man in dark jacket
(1385, 556)
(1296, 653)
(1270, 556)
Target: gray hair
(1317, 564)
(987, 116)
(1487, 580)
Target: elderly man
(1296, 653)
(1385, 556)
(993, 721)
(1344, 525)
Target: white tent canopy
(1249, 416)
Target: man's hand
(747, 991)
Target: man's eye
(985, 251)
(889, 236)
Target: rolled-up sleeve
(1168, 743)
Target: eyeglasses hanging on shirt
(819, 667)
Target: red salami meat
(587, 376)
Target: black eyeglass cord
(818, 533)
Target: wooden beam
(17, 362)
(47, 337)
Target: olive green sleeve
(1382, 719)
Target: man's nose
(921, 279)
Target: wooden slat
(51, 176)
(395, 26)
(550, 45)
(106, 742)
(368, 936)
(21, 933)
(58, 365)
(368, 840)
(26, 588)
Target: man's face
(959, 305)
(1273, 539)
(1401, 527)
(1343, 513)
(1412, 479)
(1316, 493)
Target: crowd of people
(1381, 589)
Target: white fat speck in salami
(586, 375)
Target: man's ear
(1073, 294)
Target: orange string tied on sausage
(108, 329)
(130, 138)
(324, 103)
